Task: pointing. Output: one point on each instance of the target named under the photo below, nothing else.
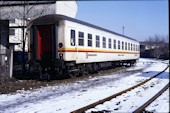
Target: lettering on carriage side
(87, 55)
(121, 55)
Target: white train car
(74, 45)
(93, 44)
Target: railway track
(141, 108)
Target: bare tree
(24, 10)
(158, 46)
(166, 47)
(149, 42)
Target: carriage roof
(55, 18)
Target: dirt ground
(12, 85)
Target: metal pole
(123, 29)
(23, 37)
(11, 61)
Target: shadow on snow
(164, 75)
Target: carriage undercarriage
(62, 70)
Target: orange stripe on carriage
(95, 51)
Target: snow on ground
(160, 104)
(65, 98)
(134, 98)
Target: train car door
(73, 42)
(44, 40)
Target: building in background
(34, 9)
(154, 50)
(15, 34)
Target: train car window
(136, 48)
(90, 40)
(104, 42)
(128, 46)
(72, 38)
(97, 41)
(131, 47)
(110, 43)
(122, 45)
(114, 41)
(118, 44)
(125, 45)
(81, 39)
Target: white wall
(68, 8)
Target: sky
(140, 19)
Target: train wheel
(90, 68)
(65, 74)
(48, 77)
(95, 67)
(83, 70)
(74, 74)
(44, 75)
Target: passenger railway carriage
(60, 44)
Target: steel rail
(142, 108)
(81, 110)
